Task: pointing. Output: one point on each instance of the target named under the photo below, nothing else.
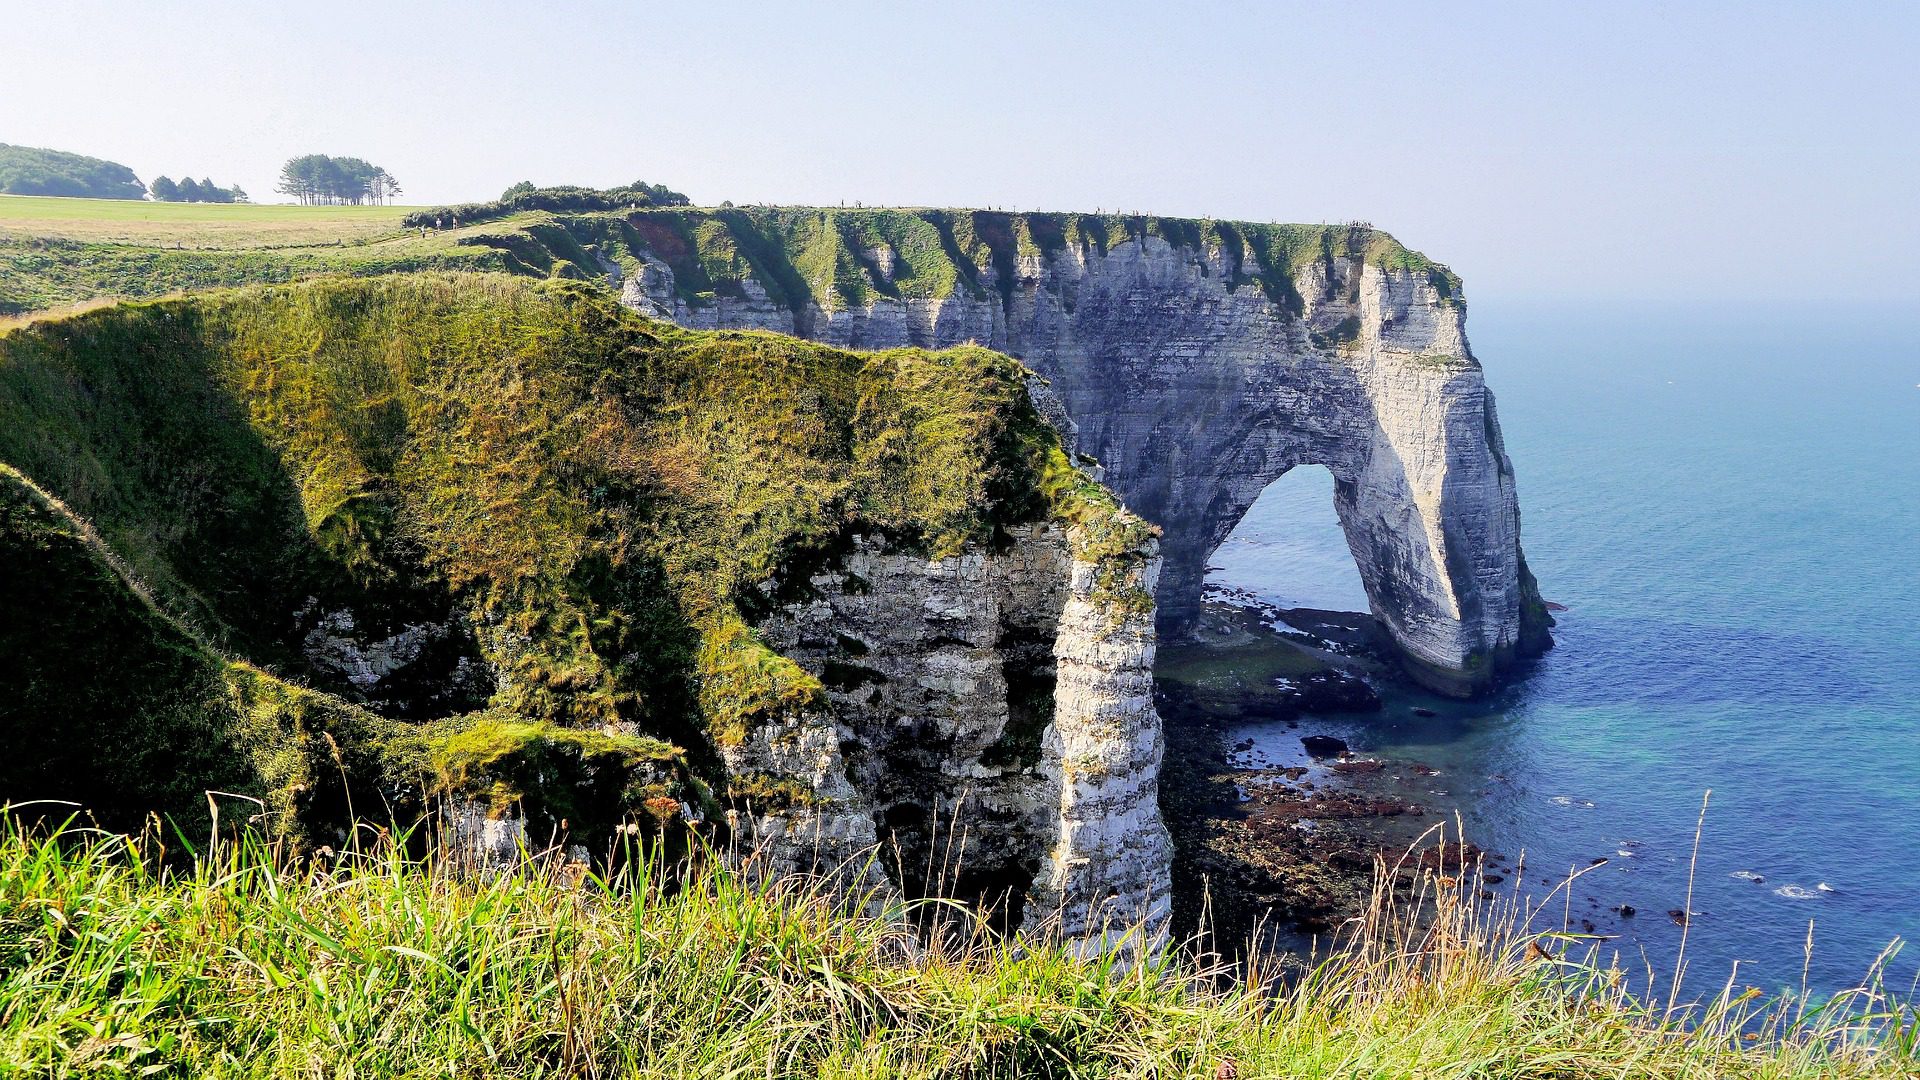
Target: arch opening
(1289, 550)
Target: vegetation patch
(1118, 545)
(384, 964)
(113, 705)
(837, 259)
(226, 227)
(525, 197)
(1344, 332)
(759, 793)
(557, 778)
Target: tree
(384, 186)
(191, 190)
(320, 179)
(559, 200)
(27, 170)
(524, 187)
(294, 180)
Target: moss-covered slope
(585, 508)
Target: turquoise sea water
(1728, 503)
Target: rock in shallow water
(1333, 691)
(1323, 746)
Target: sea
(1727, 504)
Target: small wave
(1561, 800)
(1747, 875)
(1795, 892)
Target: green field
(194, 225)
(56, 254)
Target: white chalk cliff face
(989, 719)
(1194, 388)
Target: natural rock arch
(1193, 428)
(1194, 376)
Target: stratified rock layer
(1197, 376)
(990, 717)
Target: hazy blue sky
(1650, 151)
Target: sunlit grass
(375, 964)
(193, 225)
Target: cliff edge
(507, 551)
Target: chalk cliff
(507, 549)
(1199, 360)
(990, 717)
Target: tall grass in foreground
(374, 964)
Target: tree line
(190, 190)
(322, 180)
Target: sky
(1658, 153)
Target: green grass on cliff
(600, 505)
(60, 253)
(376, 965)
(193, 225)
(55, 253)
(113, 704)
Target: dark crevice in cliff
(1027, 661)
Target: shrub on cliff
(524, 196)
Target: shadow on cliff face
(979, 837)
(109, 705)
(162, 640)
(128, 418)
(117, 698)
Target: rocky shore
(1277, 835)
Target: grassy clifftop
(380, 966)
(584, 507)
(53, 254)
